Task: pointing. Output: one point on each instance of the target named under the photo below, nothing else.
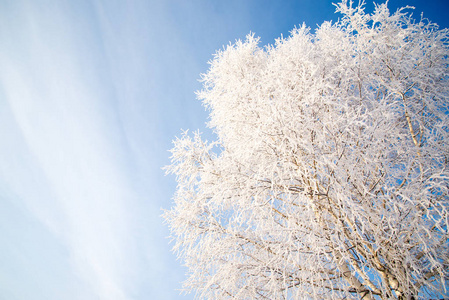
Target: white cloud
(59, 115)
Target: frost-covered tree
(329, 177)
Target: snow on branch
(331, 176)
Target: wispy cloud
(62, 120)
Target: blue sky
(91, 95)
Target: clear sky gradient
(91, 95)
